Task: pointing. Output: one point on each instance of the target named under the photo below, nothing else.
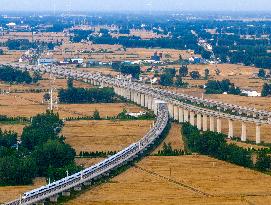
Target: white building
(46, 61)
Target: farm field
(30, 104)
(193, 180)
(174, 138)
(104, 135)
(43, 84)
(18, 128)
(8, 193)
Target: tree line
(127, 69)
(167, 150)
(42, 152)
(219, 87)
(11, 75)
(74, 95)
(215, 145)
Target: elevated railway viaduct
(203, 113)
(165, 104)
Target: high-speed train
(106, 165)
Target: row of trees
(127, 69)
(42, 152)
(266, 90)
(82, 95)
(25, 44)
(169, 78)
(11, 75)
(215, 145)
(169, 151)
(219, 87)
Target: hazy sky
(124, 5)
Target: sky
(136, 5)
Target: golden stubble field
(244, 77)
(107, 53)
(30, 104)
(10, 193)
(43, 84)
(104, 135)
(190, 180)
(174, 138)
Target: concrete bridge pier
(230, 133)
(181, 115)
(192, 118)
(218, 125)
(88, 183)
(142, 98)
(199, 121)
(78, 188)
(53, 198)
(150, 99)
(186, 116)
(146, 101)
(244, 132)
(171, 110)
(132, 96)
(66, 193)
(258, 134)
(205, 123)
(212, 124)
(176, 113)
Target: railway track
(101, 169)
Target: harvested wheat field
(261, 103)
(242, 76)
(104, 135)
(30, 104)
(174, 138)
(11, 192)
(108, 109)
(194, 180)
(45, 83)
(18, 128)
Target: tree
(11, 75)
(206, 74)
(170, 71)
(183, 71)
(166, 79)
(53, 154)
(179, 82)
(7, 138)
(96, 115)
(266, 90)
(36, 77)
(128, 69)
(82, 95)
(263, 161)
(43, 127)
(15, 171)
(261, 73)
(1, 52)
(46, 97)
(70, 83)
(195, 75)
